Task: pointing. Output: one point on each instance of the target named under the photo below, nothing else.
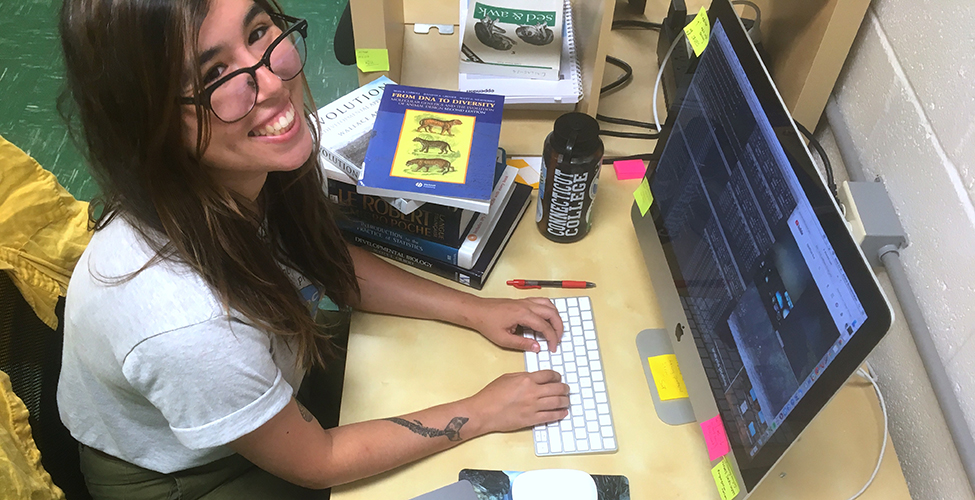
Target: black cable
(629, 23)
(627, 135)
(643, 156)
(620, 82)
(623, 79)
(830, 182)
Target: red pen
(527, 284)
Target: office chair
(30, 353)
(344, 41)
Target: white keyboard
(589, 426)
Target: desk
(397, 365)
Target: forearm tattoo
(452, 431)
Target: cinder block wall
(908, 98)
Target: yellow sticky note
(643, 197)
(667, 377)
(370, 60)
(698, 31)
(724, 479)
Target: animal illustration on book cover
(433, 144)
(504, 38)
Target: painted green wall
(31, 75)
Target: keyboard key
(587, 393)
(570, 443)
(572, 302)
(603, 408)
(595, 441)
(541, 448)
(573, 388)
(531, 364)
(606, 431)
(591, 345)
(588, 404)
(590, 415)
(585, 381)
(579, 421)
(582, 444)
(555, 440)
(589, 334)
(605, 420)
(573, 311)
(586, 315)
(599, 386)
(596, 365)
(592, 427)
(580, 433)
(570, 367)
(575, 400)
(597, 376)
(600, 396)
(545, 365)
(588, 325)
(584, 303)
(609, 444)
(566, 424)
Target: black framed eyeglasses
(233, 96)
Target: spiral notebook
(533, 94)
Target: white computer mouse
(553, 484)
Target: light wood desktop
(397, 365)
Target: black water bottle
(571, 159)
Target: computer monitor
(749, 254)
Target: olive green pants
(109, 478)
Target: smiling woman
(190, 319)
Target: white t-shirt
(154, 370)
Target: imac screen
(768, 302)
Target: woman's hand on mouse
(499, 320)
(518, 400)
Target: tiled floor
(31, 74)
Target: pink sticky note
(629, 169)
(715, 438)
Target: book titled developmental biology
(520, 39)
(435, 146)
(464, 255)
(476, 275)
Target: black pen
(527, 284)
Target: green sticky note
(724, 478)
(698, 31)
(370, 60)
(667, 377)
(643, 197)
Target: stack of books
(411, 170)
(523, 50)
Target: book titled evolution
(435, 146)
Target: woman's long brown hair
(125, 63)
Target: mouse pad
(496, 484)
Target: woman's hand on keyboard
(499, 321)
(517, 400)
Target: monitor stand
(655, 342)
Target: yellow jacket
(43, 231)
